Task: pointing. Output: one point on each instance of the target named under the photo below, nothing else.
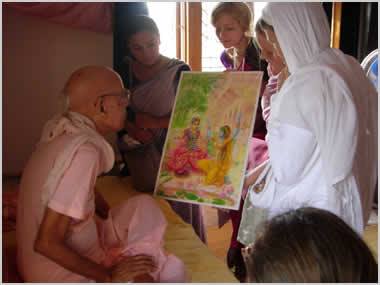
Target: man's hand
(133, 268)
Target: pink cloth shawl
(83, 131)
(138, 227)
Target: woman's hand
(133, 268)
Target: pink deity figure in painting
(183, 159)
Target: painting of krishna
(206, 148)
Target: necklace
(235, 60)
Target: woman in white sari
(322, 132)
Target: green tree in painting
(194, 91)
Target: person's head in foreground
(309, 245)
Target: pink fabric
(258, 152)
(96, 17)
(139, 228)
(99, 241)
(66, 200)
(82, 130)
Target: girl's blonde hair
(240, 11)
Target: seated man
(59, 238)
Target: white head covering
(328, 94)
(305, 34)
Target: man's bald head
(88, 83)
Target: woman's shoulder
(174, 62)
(226, 59)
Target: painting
(206, 149)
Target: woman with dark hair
(152, 80)
(309, 245)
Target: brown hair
(141, 23)
(309, 245)
(240, 11)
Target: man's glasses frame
(125, 95)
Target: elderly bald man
(59, 237)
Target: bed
(180, 239)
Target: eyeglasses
(125, 95)
(124, 98)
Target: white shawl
(328, 94)
(83, 131)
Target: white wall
(38, 57)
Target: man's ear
(99, 106)
(98, 118)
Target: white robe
(322, 132)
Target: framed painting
(206, 148)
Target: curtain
(96, 17)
